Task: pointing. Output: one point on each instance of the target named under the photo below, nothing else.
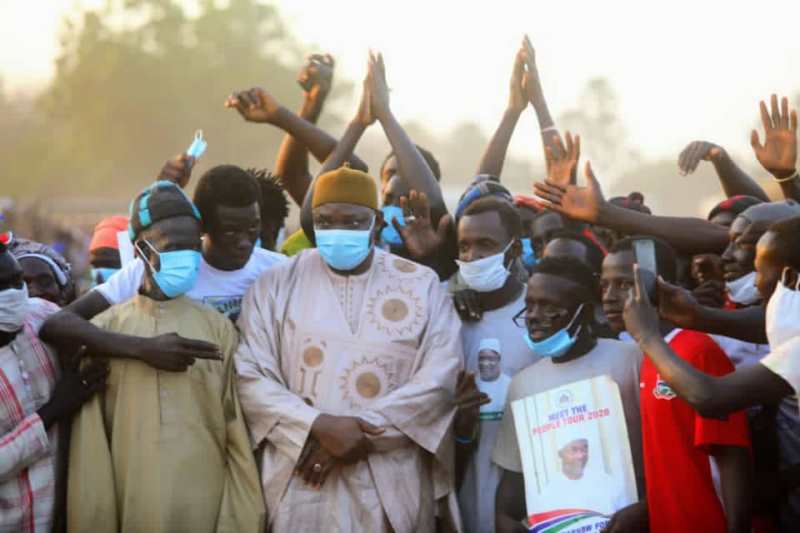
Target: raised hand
(364, 115)
(778, 154)
(419, 237)
(562, 162)
(316, 76)
(676, 305)
(580, 203)
(255, 105)
(641, 318)
(174, 353)
(177, 170)
(695, 152)
(517, 96)
(378, 88)
(344, 437)
(531, 81)
(468, 403)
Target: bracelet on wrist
(549, 128)
(794, 175)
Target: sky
(683, 70)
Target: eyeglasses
(550, 311)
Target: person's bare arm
(733, 179)
(493, 158)
(713, 397)
(735, 476)
(687, 235)
(338, 156)
(778, 154)
(532, 83)
(678, 306)
(415, 171)
(291, 165)
(509, 503)
(257, 105)
(71, 327)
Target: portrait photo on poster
(576, 456)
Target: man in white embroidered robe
(347, 368)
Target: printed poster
(576, 457)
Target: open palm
(778, 154)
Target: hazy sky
(683, 69)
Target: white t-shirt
(476, 496)
(221, 289)
(785, 361)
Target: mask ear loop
(785, 278)
(146, 260)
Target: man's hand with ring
(314, 464)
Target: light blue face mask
(556, 344)
(389, 234)
(101, 275)
(177, 270)
(528, 254)
(344, 249)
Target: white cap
(489, 344)
(570, 433)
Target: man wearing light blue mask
(347, 369)
(556, 325)
(154, 429)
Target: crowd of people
(366, 372)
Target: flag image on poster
(576, 457)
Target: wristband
(465, 442)
(788, 178)
(549, 128)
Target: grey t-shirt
(618, 360)
(495, 332)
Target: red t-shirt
(676, 442)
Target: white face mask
(13, 309)
(743, 290)
(487, 274)
(783, 313)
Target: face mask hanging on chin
(783, 312)
(344, 249)
(13, 309)
(177, 271)
(558, 343)
(487, 274)
(743, 291)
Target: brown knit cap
(347, 186)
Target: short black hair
(570, 269)
(787, 232)
(666, 258)
(433, 164)
(226, 185)
(272, 199)
(594, 254)
(509, 216)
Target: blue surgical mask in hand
(101, 275)
(198, 146)
(344, 249)
(177, 271)
(528, 253)
(556, 344)
(389, 234)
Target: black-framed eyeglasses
(521, 319)
(552, 312)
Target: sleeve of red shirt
(706, 356)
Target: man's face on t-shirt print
(489, 365)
